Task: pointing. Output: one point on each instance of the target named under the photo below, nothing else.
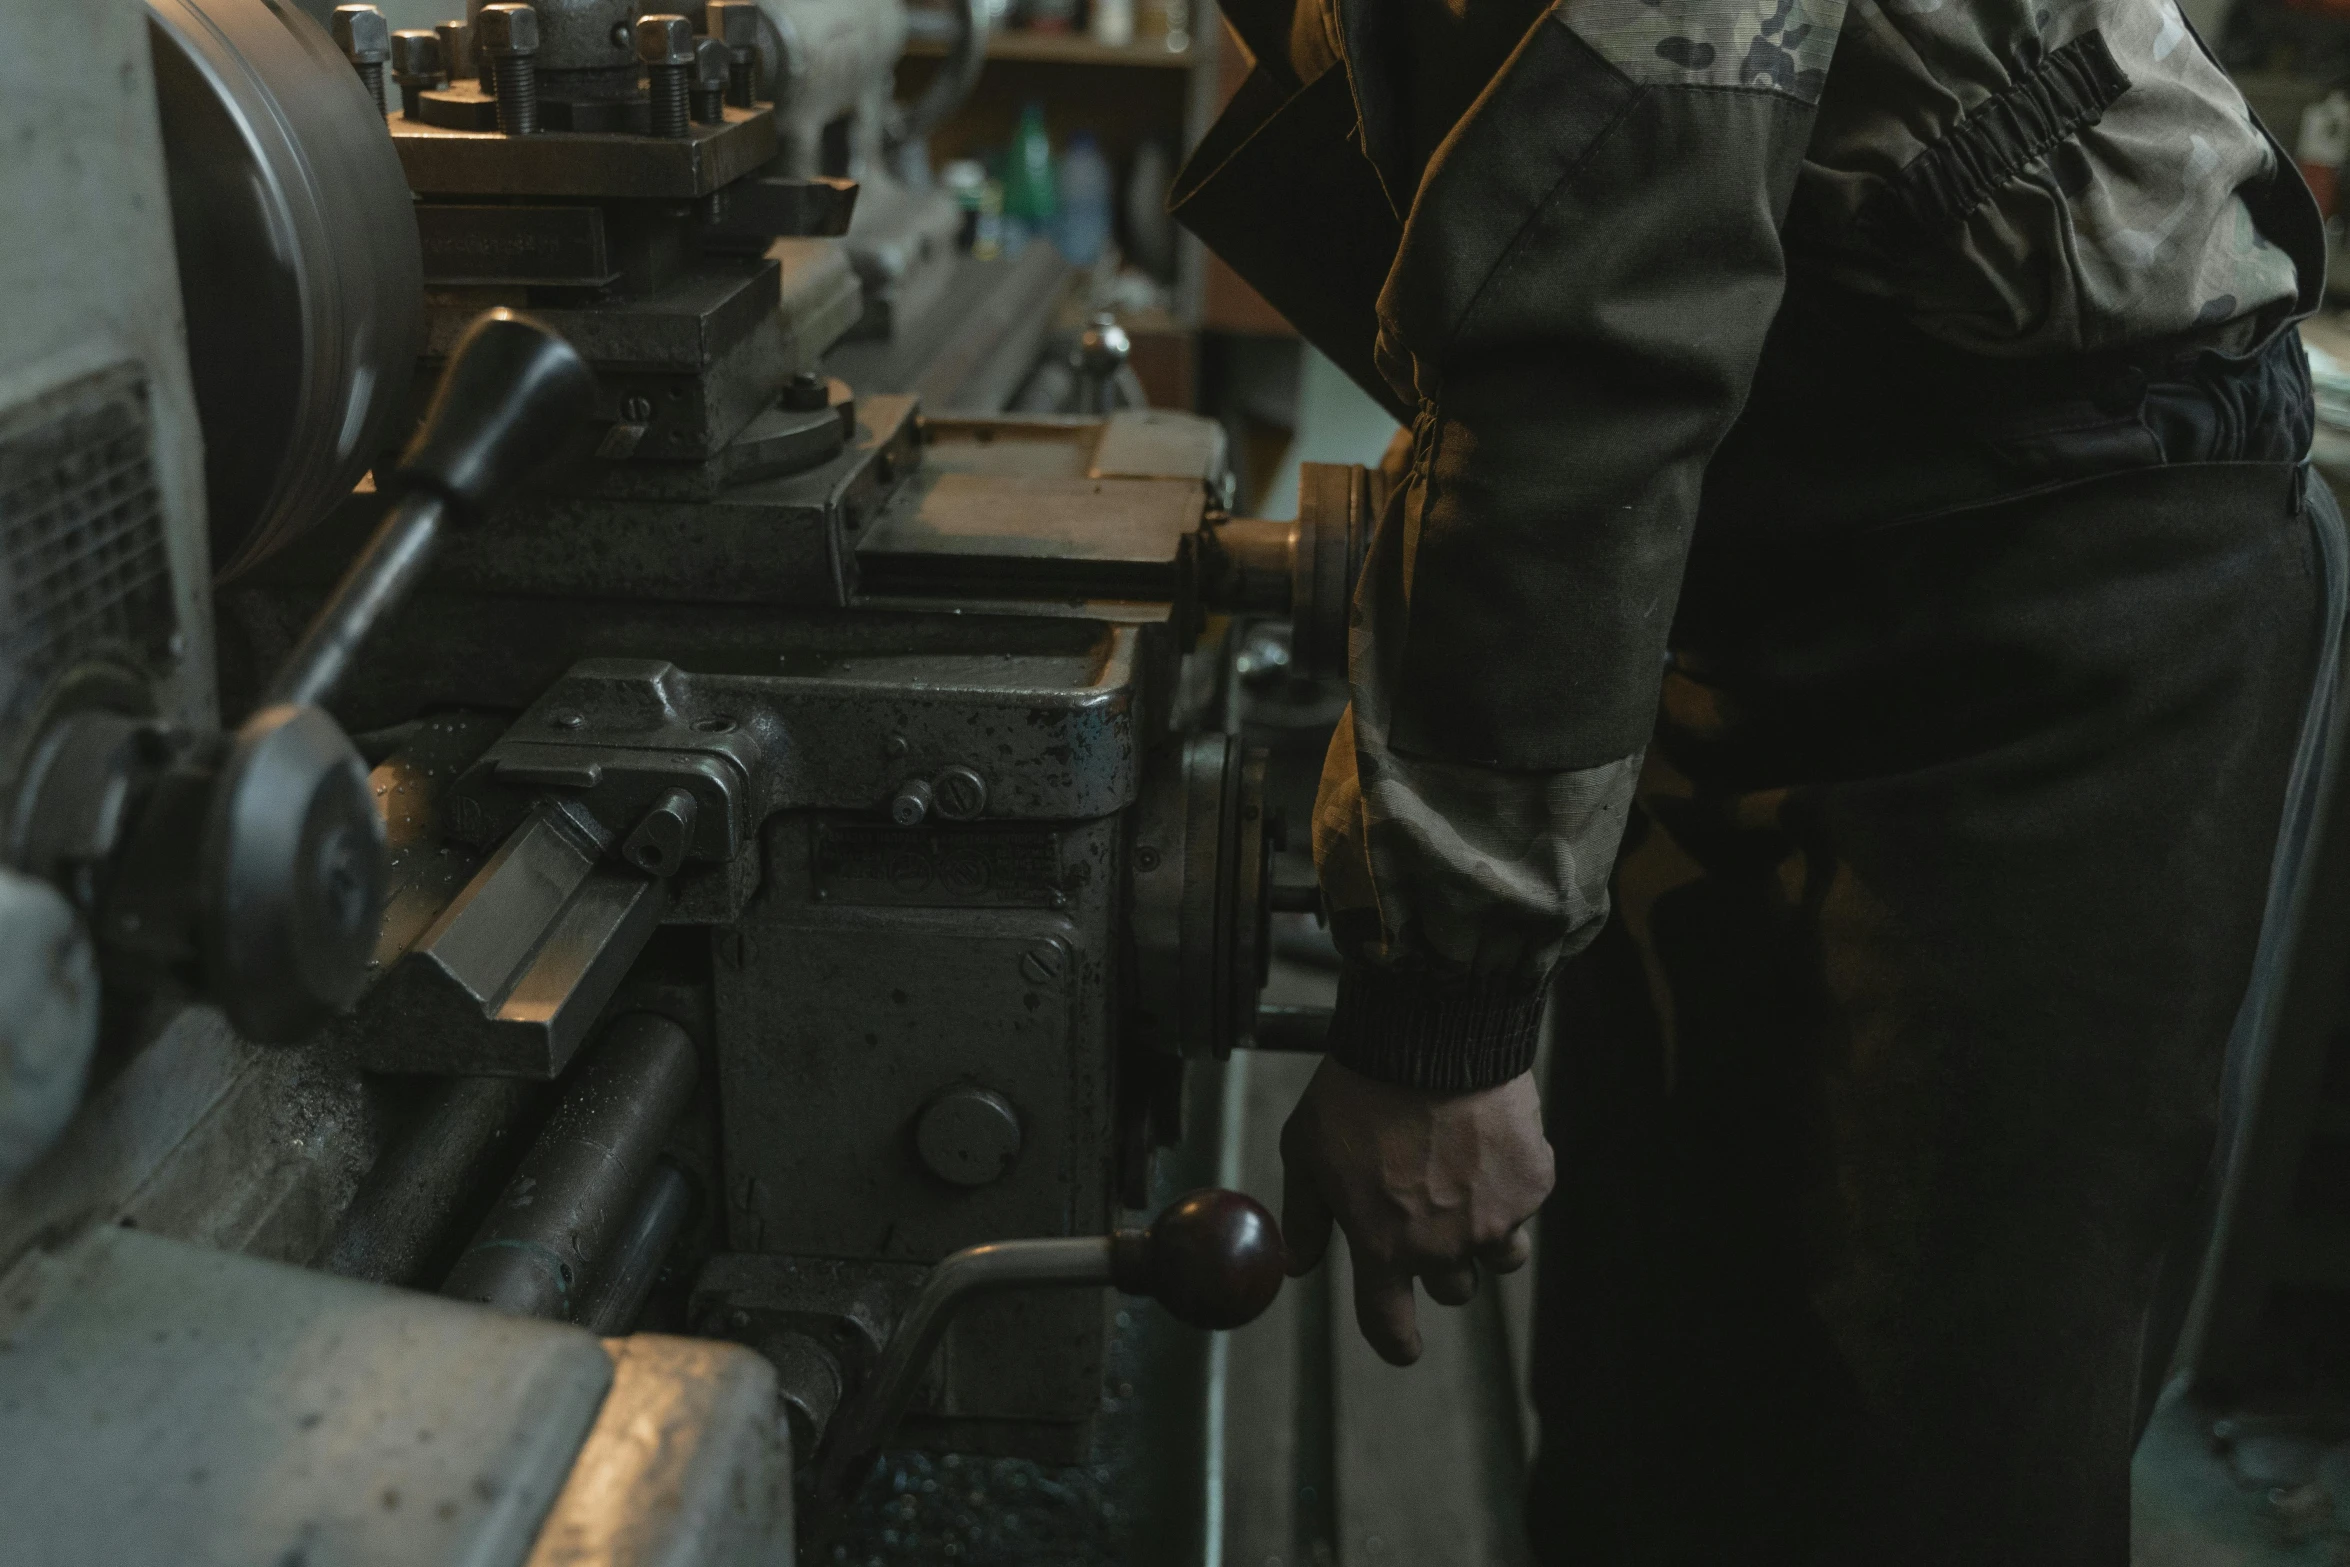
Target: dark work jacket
(1570, 297)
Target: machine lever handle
(1212, 1258)
(512, 391)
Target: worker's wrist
(1423, 1031)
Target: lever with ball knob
(1213, 1258)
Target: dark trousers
(1881, 1100)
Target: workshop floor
(2241, 1490)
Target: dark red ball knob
(1213, 1258)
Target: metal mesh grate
(82, 559)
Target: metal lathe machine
(590, 918)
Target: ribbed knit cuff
(1443, 1036)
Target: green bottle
(1028, 173)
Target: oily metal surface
(595, 165)
(298, 259)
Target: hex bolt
(366, 41)
(416, 66)
(735, 23)
(962, 794)
(457, 56)
(912, 805)
(712, 62)
(510, 42)
(666, 45)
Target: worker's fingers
(1383, 1307)
(1305, 1220)
(1452, 1286)
(1510, 1253)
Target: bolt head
(508, 30)
(733, 22)
(664, 40)
(962, 794)
(456, 47)
(416, 55)
(711, 57)
(362, 34)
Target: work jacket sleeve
(1587, 270)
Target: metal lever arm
(1213, 1258)
(512, 391)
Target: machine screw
(912, 805)
(567, 718)
(366, 41)
(457, 50)
(666, 45)
(735, 23)
(962, 794)
(510, 42)
(416, 66)
(1146, 858)
(1044, 963)
(712, 63)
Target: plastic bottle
(1112, 23)
(1085, 201)
(1029, 199)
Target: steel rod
(617, 1294)
(575, 1192)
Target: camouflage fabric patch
(1780, 46)
(1463, 869)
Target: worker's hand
(1427, 1186)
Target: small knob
(1213, 1258)
(1104, 348)
(513, 390)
